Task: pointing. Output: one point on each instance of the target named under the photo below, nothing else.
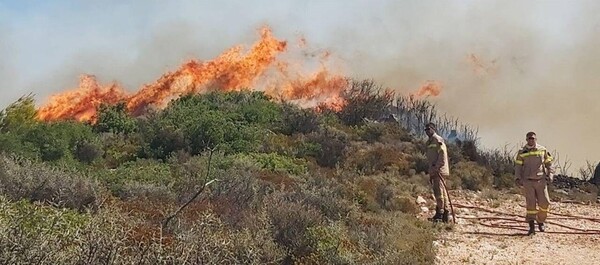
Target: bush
(296, 120)
(332, 146)
(274, 162)
(291, 221)
(471, 176)
(87, 152)
(23, 179)
(377, 158)
(114, 119)
(136, 174)
(364, 99)
(393, 238)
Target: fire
(259, 68)
(81, 104)
(430, 88)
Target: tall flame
(231, 71)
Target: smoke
(7, 74)
(506, 67)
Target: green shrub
(274, 162)
(114, 119)
(296, 120)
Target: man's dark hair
(430, 125)
(529, 134)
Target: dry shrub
(393, 238)
(31, 234)
(237, 196)
(326, 195)
(331, 146)
(23, 179)
(377, 158)
(385, 132)
(470, 176)
(297, 120)
(290, 223)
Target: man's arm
(440, 161)
(548, 165)
(519, 169)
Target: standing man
(437, 156)
(533, 170)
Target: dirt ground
(493, 231)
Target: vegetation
(292, 186)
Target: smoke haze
(507, 67)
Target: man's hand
(550, 178)
(519, 182)
(433, 171)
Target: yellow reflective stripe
(519, 162)
(532, 211)
(433, 146)
(548, 160)
(543, 210)
(533, 153)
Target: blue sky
(544, 52)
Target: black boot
(541, 227)
(445, 216)
(531, 228)
(437, 217)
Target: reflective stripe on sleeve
(532, 211)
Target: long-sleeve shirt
(533, 163)
(437, 154)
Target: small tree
(18, 115)
(114, 119)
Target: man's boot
(531, 228)
(445, 216)
(541, 227)
(437, 217)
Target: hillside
(237, 178)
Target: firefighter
(437, 156)
(533, 171)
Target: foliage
(297, 120)
(114, 119)
(292, 185)
(472, 176)
(19, 115)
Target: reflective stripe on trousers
(536, 195)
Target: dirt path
(494, 231)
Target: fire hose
(505, 222)
(448, 196)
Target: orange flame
(233, 70)
(430, 88)
(81, 104)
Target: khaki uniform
(533, 166)
(437, 155)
